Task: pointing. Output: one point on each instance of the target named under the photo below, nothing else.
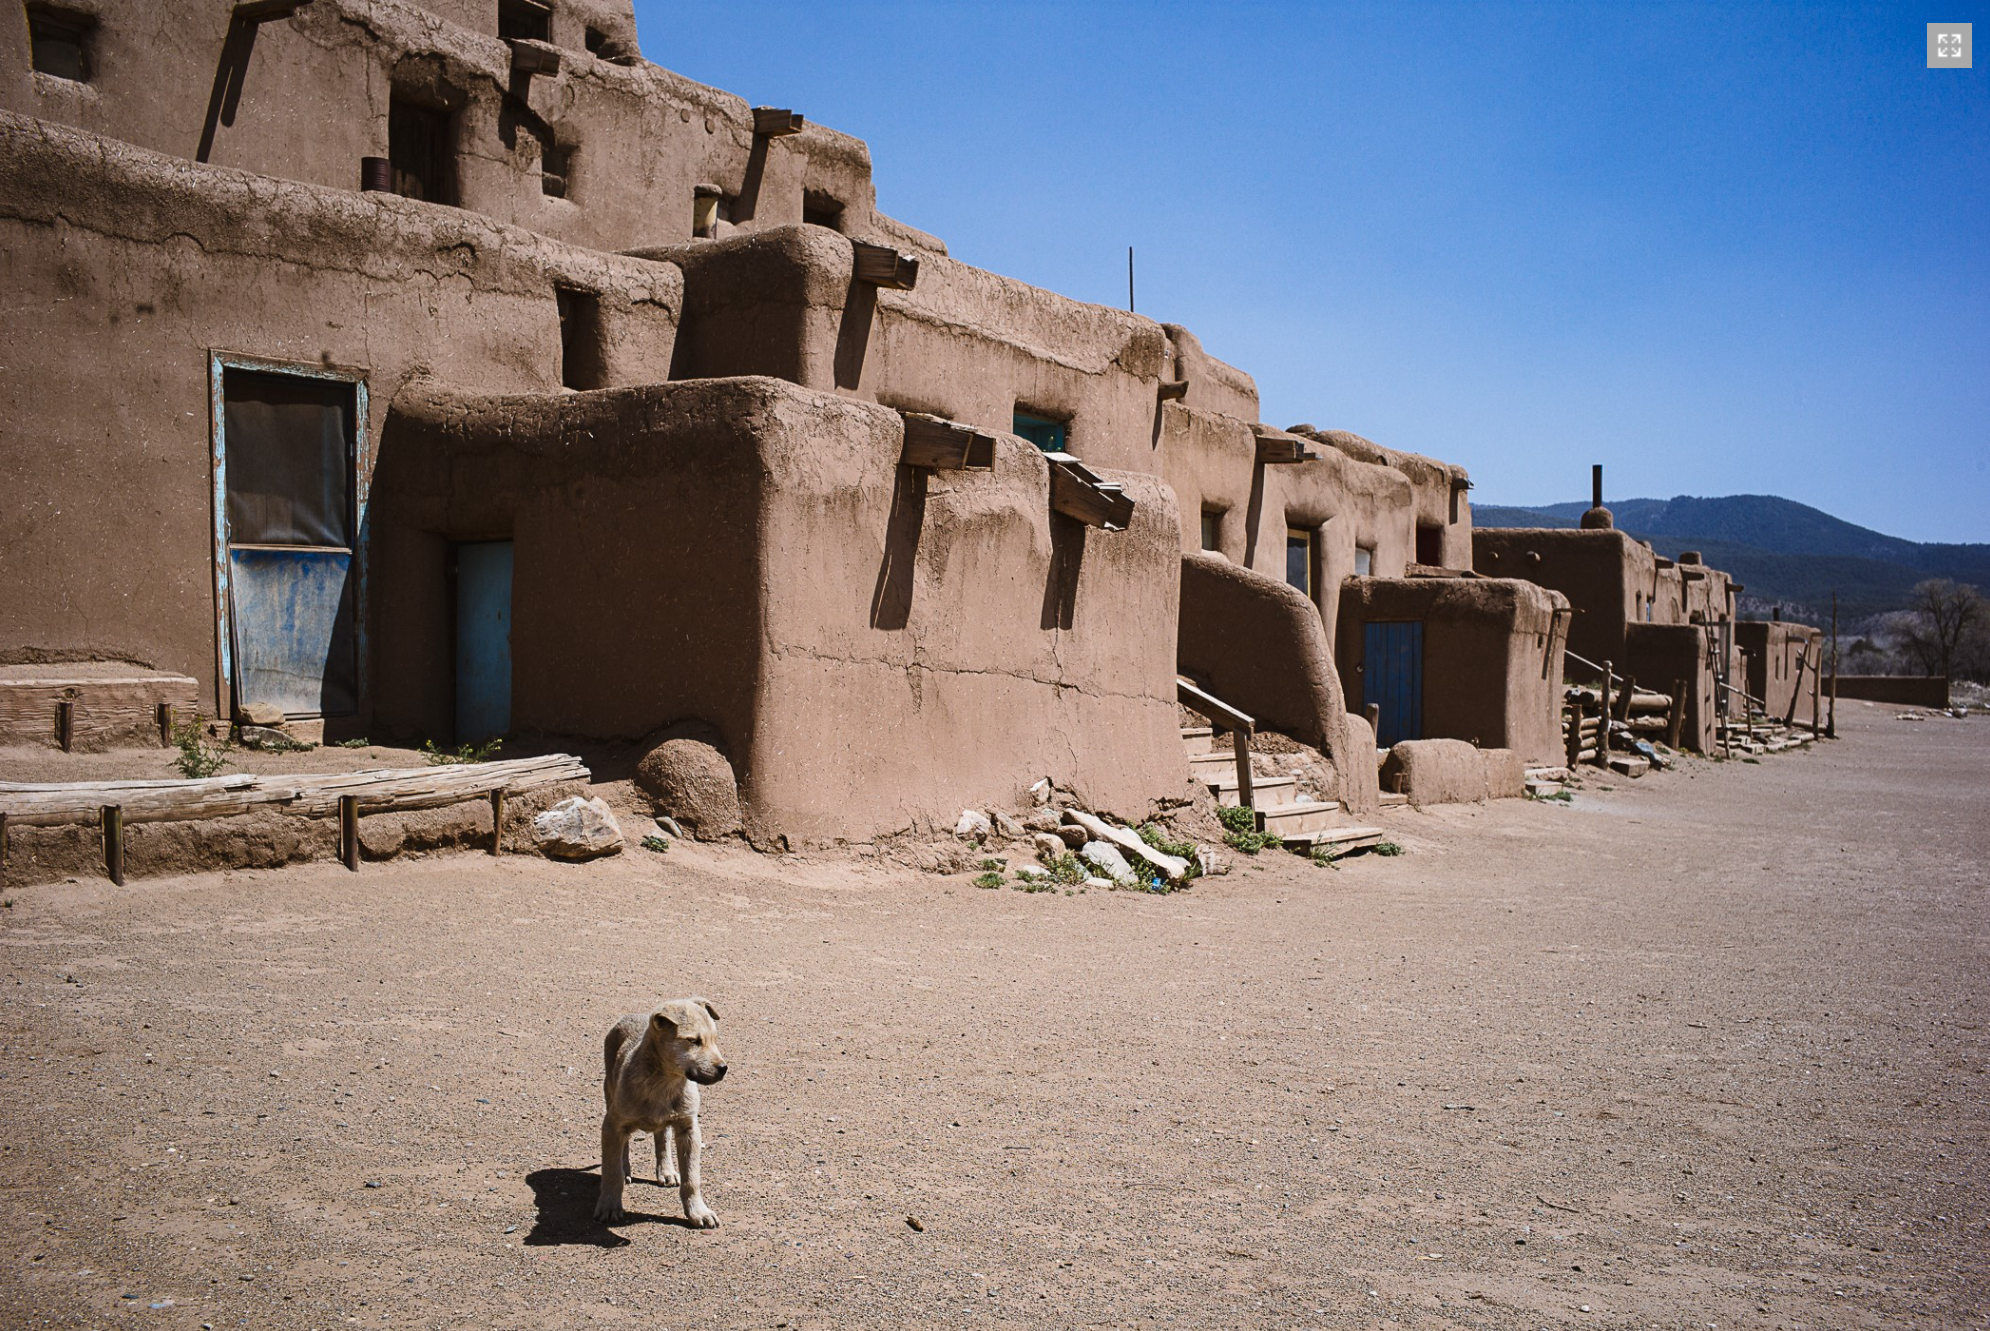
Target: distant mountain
(1783, 552)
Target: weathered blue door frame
(219, 363)
(1392, 678)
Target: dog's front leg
(688, 1151)
(666, 1159)
(614, 1164)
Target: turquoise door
(483, 641)
(1392, 679)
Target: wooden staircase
(1299, 823)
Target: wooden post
(497, 821)
(1678, 724)
(1796, 686)
(163, 713)
(65, 723)
(3, 839)
(1816, 692)
(1603, 722)
(1373, 711)
(1831, 726)
(349, 831)
(1575, 734)
(112, 820)
(1246, 795)
(1624, 698)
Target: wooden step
(1200, 763)
(1264, 789)
(1339, 838)
(1190, 734)
(1283, 820)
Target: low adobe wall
(1905, 690)
(1450, 771)
(878, 646)
(1258, 645)
(1781, 662)
(1492, 659)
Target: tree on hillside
(1946, 615)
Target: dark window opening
(821, 210)
(1212, 529)
(60, 42)
(580, 339)
(1051, 436)
(1299, 559)
(1430, 546)
(556, 162)
(419, 150)
(521, 20)
(709, 207)
(597, 40)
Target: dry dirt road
(1706, 1050)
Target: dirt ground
(1702, 1050)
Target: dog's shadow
(565, 1198)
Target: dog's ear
(706, 1004)
(664, 1023)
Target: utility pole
(1129, 279)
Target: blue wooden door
(483, 641)
(1392, 679)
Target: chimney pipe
(1596, 486)
(1598, 517)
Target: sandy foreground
(1703, 1050)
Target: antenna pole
(1129, 279)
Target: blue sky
(1720, 249)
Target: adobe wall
(1659, 656)
(1771, 649)
(880, 646)
(1902, 690)
(314, 98)
(1603, 573)
(125, 269)
(1439, 491)
(1259, 645)
(1492, 663)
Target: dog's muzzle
(717, 1074)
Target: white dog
(654, 1066)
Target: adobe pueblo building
(445, 370)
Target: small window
(1364, 561)
(1299, 559)
(1212, 529)
(419, 142)
(1430, 546)
(821, 210)
(522, 20)
(60, 42)
(709, 207)
(556, 161)
(596, 40)
(1051, 436)
(580, 338)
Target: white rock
(1040, 792)
(1169, 865)
(1031, 871)
(1105, 857)
(577, 829)
(973, 823)
(1048, 847)
(1212, 863)
(1098, 882)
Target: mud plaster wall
(316, 88)
(1601, 572)
(879, 646)
(1259, 645)
(1660, 656)
(1772, 649)
(1440, 491)
(1492, 667)
(125, 268)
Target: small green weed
(468, 753)
(1326, 857)
(1034, 883)
(1240, 830)
(992, 865)
(1563, 796)
(655, 843)
(197, 757)
(1067, 868)
(989, 879)
(360, 743)
(1157, 837)
(1756, 761)
(1385, 848)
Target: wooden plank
(777, 122)
(1204, 704)
(1172, 390)
(883, 266)
(1173, 866)
(534, 57)
(931, 441)
(1078, 492)
(265, 11)
(65, 724)
(111, 820)
(1280, 449)
(110, 712)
